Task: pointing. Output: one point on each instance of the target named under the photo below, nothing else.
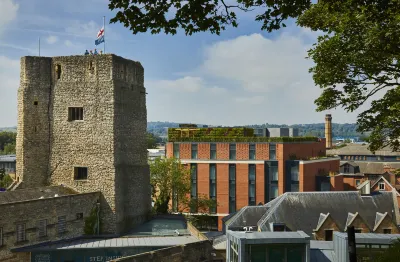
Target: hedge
(243, 139)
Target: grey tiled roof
(373, 167)
(357, 149)
(33, 193)
(114, 243)
(301, 211)
(247, 216)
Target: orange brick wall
(262, 151)
(203, 179)
(185, 151)
(329, 224)
(337, 183)
(223, 188)
(349, 183)
(242, 185)
(302, 150)
(281, 169)
(359, 223)
(169, 147)
(203, 151)
(242, 151)
(387, 223)
(260, 192)
(222, 151)
(308, 172)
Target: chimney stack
(328, 130)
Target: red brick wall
(376, 187)
(281, 169)
(203, 179)
(308, 172)
(242, 185)
(185, 151)
(262, 151)
(223, 188)
(169, 147)
(302, 150)
(222, 151)
(260, 196)
(337, 183)
(203, 151)
(242, 151)
(349, 183)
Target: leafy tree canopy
(355, 59)
(200, 16)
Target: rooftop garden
(233, 134)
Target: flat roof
(121, 242)
(270, 237)
(371, 238)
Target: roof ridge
(271, 210)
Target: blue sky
(244, 76)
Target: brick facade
(242, 185)
(387, 223)
(223, 188)
(260, 184)
(310, 169)
(203, 151)
(329, 224)
(262, 151)
(359, 223)
(222, 151)
(337, 183)
(242, 151)
(203, 179)
(185, 151)
(169, 148)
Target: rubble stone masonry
(110, 140)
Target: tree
(356, 58)
(170, 178)
(391, 254)
(199, 15)
(151, 141)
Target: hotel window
(193, 185)
(176, 150)
(194, 151)
(346, 169)
(42, 228)
(272, 151)
(75, 113)
(213, 151)
(213, 186)
(232, 188)
(62, 224)
(21, 236)
(252, 185)
(381, 186)
(274, 192)
(252, 151)
(232, 151)
(294, 172)
(274, 171)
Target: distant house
(8, 162)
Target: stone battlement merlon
(105, 67)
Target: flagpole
(104, 42)
(39, 46)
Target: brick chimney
(328, 130)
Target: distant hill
(339, 130)
(318, 129)
(8, 129)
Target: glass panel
(276, 254)
(176, 150)
(258, 253)
(325, 186)
(213, 151)
(294, 172)
(232, 172)
(295, 254)
(274, 191)
(272, 151)
(212, 171)
(194, 151)
(232, 151)
(252, 152)
(252, 172)
(294, 188)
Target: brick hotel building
(237, 168)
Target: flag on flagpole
(100, 37)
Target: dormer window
(278, 227)
(346, 169)
(381, 186)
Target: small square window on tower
(75, 113)
(80, 173)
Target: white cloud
(246, 80)
(8, 12)
(9, 82)
(52, 39)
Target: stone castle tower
(82, 123)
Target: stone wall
(110, 141)
(31, 212)
(193, 252)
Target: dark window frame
(272, 151)
(252, 151)
(75, 114)
(42, 228)
(193, 184)
(232, 151)
(213, 151)
(252, 183)
(61, 225)
(81, 173)
(176, 150)
(232, 188)
(21, 230)
(194, 151)
(213, 195)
